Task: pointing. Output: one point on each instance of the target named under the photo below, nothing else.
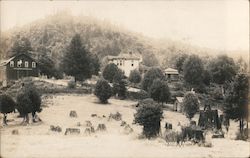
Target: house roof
(124, 56)
(171, 71)
(180, 99)
(5, 62)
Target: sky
(222, 25)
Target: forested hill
(52, 35)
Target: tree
(222, 69)
(190, 104)
(120, 89)
(77, 61)
(21, 45)
(236, 99)
(110, 71)
(159, 91)
(135, 77)
(179, 61)
(29, 101)
(150, 60)
(7, 105)
(206, 77)
(193, 70)
(103, 90)
(150, 76)
(47, 67)
(149, 115)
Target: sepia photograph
(124, 79)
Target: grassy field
(36, 139)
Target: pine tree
(77, 61)
(110, 71)
(190, 104)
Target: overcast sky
(208, 23)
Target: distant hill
(53, 34)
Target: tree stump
(101, 127)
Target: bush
(103, 90)
(190, 104)
(137, 95)
(110, 71)
(149, 115)
(71, 84)
(150, 76)
(120, 89)
(135, 77)
(7, 105)
(28, 101)
(159, 91)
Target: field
(36, 139)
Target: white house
(126, 62)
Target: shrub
(120, 89)
(103, 90)
(137, 95)
(28, 101)
(159, 91)
(149, 115)
(135, 77)
(150, 76)
(7, 105)
(190, 104)
(110, 71)
(71, 85)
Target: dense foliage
(28, 101)
(135, 77)
(78, 62)
(119, 89)
(7, 105)
(159, 91)
(21, 45)
(111, 72)
(236, 106)
(190, 104)
(222, 69)
(103, 90)
(193, 70)
(149, 115)
(150, 76)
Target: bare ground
(36, 140)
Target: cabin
(171, 74)
(125, 62)
(18, 66)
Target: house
(125, 62)
(18, 66)
(178, 104)
(171, 74)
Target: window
(120, 62)
(132, 63)
(26, 64)
(19, 63)
(11, 63)
(33, 65)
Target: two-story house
(18, 66)
(126, 62)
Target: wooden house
(18, 66)
(171, 74)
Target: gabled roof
(171, 71)
(124, 56)
(180, 99)
(5, 62)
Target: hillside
(53, 34)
